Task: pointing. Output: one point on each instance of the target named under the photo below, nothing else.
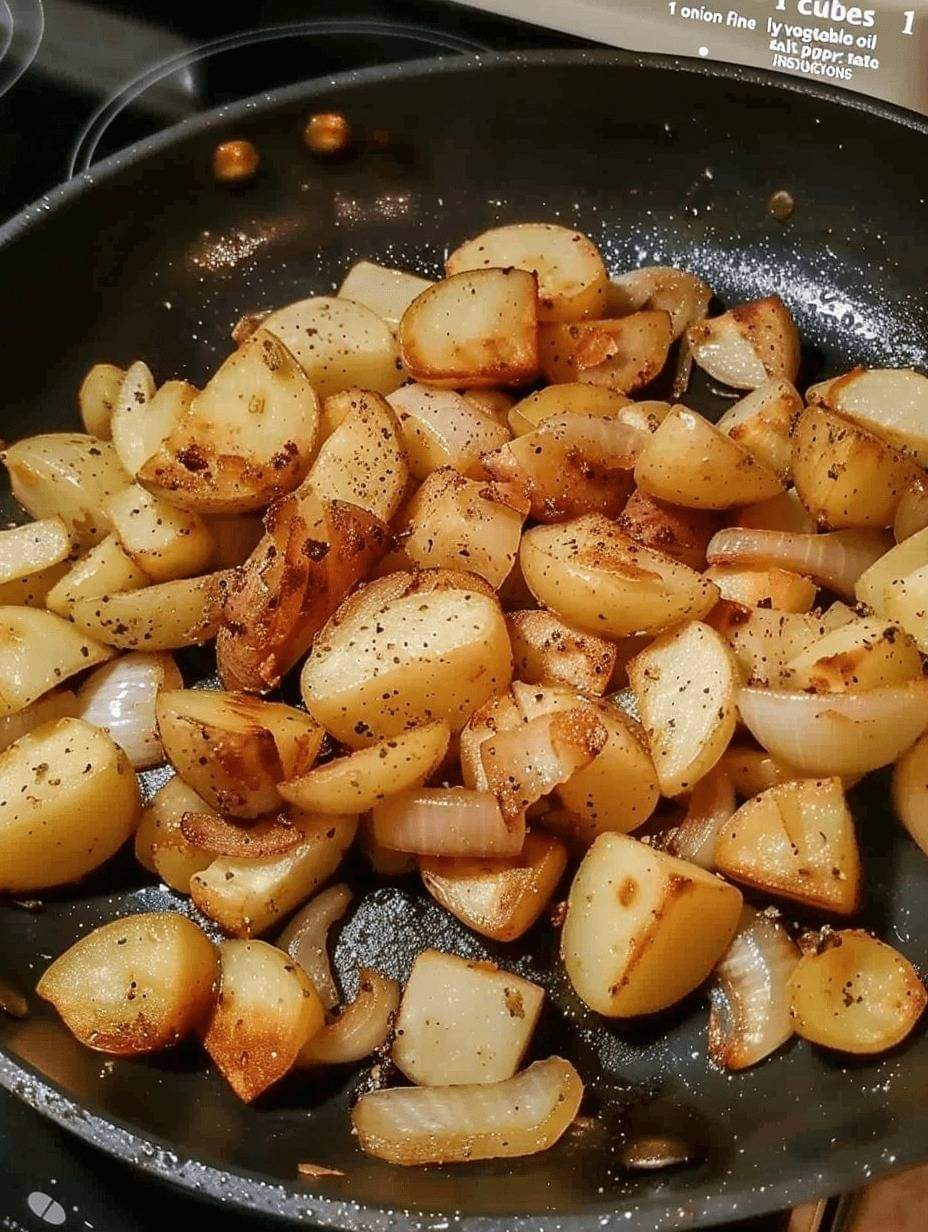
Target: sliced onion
(316, 1171)
(271, 836)
(306, 939)
(447, 821)
(361, 1027)
(837, 733)
(120, 698)
(836, 559)
(711, 805)
(749, 1016)
(62, 704)
(530, 760)
(455, 1124)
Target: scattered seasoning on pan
(12, 1002)
(327, 133)
(780, 205)
(234, 162)
(649, 1154)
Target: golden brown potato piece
(386, 292)
(97, 397)
(160, 845)
(546, 649)
(764, 642)
(164, 616)
(623, 354)
(105, 570)
(136, 984)
(32, 549)
(643, 928)
(796, 840)
(442, 428)
(785, 512)
(267, 1010)
(247, 439)
(233, 749)
(473, 329)
(39, 651)
(779, 589)
(862, 654)
(165, 542)
(684, 296)
(762, 423)
(681, 533)
(570, 398)
(144, 418)
(749, 344)
(892, 403)
(497, 714)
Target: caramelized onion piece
(749, 1016)
(361, 1027)
(447, 821)
(259, 840)
(306, 939)
(438, 1125)
(836, 559)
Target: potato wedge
(457, 523)
(68, 801)
(845, 476)
(659, 287)
(386, 292)
(354, 784)
(686, 684)
(689, 461)
(753, 770)
(165, 542)
(570, 271)
(498, 714)
(779, 589)
(235, 536)
(165, 616)
(497, 403)
(571, 398)
(785, 512)
(546, 649)
(862, 654)
(500, 899)
(681, 533)
(144, 418)
(623, 354)
(599, 580)
(339, 344)
(748, 345)
(474, 329)
(246, 896)
(796, 840)
(59, 704)
(363, 461)
(910, 791)
(31, 591)
(892, 403)
(160, 845)
(96, 398)
(134, 985)
(856, 994)
(132, 399)
(912, 510)
(39, 651)
(906, 602)
(247, 439)
(105, 570)
(233, 749)
(462, 1022)
(266, 1011)
(885, 576)
(415, 658)
(67, 475)
(764, 642)
(762, 423)
(32, 548)
(643, 928)
(441, 428)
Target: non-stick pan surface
(659, 161)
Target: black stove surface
(80, 79)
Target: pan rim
(254, 1192)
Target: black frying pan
(660, 161)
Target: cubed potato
(749, 344)
(266, 1011)
(884, 577)
(165, 542)
(339, 344)
(498, 714)
(164, 616)
(246, 896)
(463, 1022)
(39, 651)
(247, 439)
(681, 533)
(354, 784)
(570, 398)
(862, 654)
(97, 397)
(134, 985)
(846, 476)
(160, 845)
(545, 649)
(441, 428)
(570, 271)
(67, 475)
(473, 329)
(414, 659)
(778, 589)
(689, 461)
(889, 402)
(856, 994)
(623, 354)
(234, 749)
(763, 641)
(680, 294)
(144, 418)
(643, 928)
(796, 840)
(599, 580)
(363, 461)
(32, 548)
(386, 292)
(105, 570)
(762, 423)
(68, 801)
(500, 899)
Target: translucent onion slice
(120, 698)
(361, 1027)
(306, 939)
(711, 804)
(61, 704)
(447, 821)
(837, 733)
(530, 760)
(912, 511)
(836, 559)
(456, 1124)
(749, 1016)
